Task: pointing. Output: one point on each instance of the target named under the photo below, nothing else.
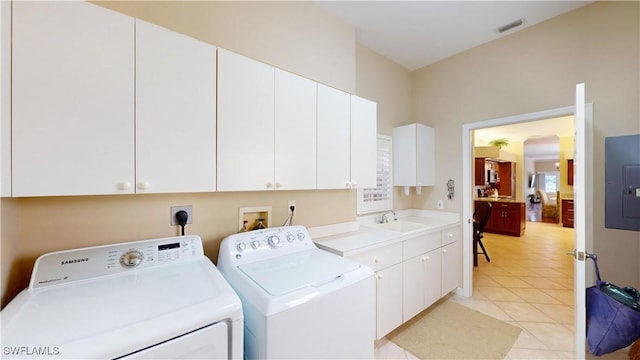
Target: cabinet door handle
(444, 250)
(125, 185)
(278, 185)
(379, 276)
(377, 260)
(144, 185)
(269, 184)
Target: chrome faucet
(383, 217)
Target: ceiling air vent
(512, 25)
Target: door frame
(467, 181)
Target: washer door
(210, 342)
(283, 274)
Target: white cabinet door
(5, 98)
(245, 123)
(334, 163)
(175, 112)
(388, 300)
(72, 99)
(363, 142)
(449, 268)
(295, 132)
(413, 155)
(421, 282)
(450, 259)
(426, 160)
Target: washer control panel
(79, 264)
(265, 243)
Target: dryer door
(210, 342)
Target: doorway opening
(521, 180)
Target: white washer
(299, 302)
(159, 298)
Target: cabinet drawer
(450, 235)
(381, 258)
(421, 244)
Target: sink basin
(402, 226)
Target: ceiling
(540, 137)
(415, 34)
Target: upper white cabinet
(363, 142)
(347, 127)
(334, 136)
(175, 112)
(295, 132)
(245, 123)
(5, 98)
(266, 127)
(72, 99)
(413, 155)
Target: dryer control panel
(79, 264)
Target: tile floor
(528, 283)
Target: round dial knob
(300, 236)
(255, 244)
(290, 238)
(273, 241)
(241, 246)
(131, 258)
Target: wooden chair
(480, 218)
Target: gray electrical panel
(622, 178)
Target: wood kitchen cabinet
(570, 172)
(506, 174)
(480, 177)
(507, 218)
(567, 213)
(72, 99)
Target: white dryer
(299, 302)
(154, 299)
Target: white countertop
(348, 239)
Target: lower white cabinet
(388, 299)
(421, 283)
(411, 274)
(387, 264)
(430, 269)
(450, 260)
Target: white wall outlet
(440, 204)
(290, 203)
(175, 209)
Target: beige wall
(533, 70)
(295, 36)
(388, 84)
